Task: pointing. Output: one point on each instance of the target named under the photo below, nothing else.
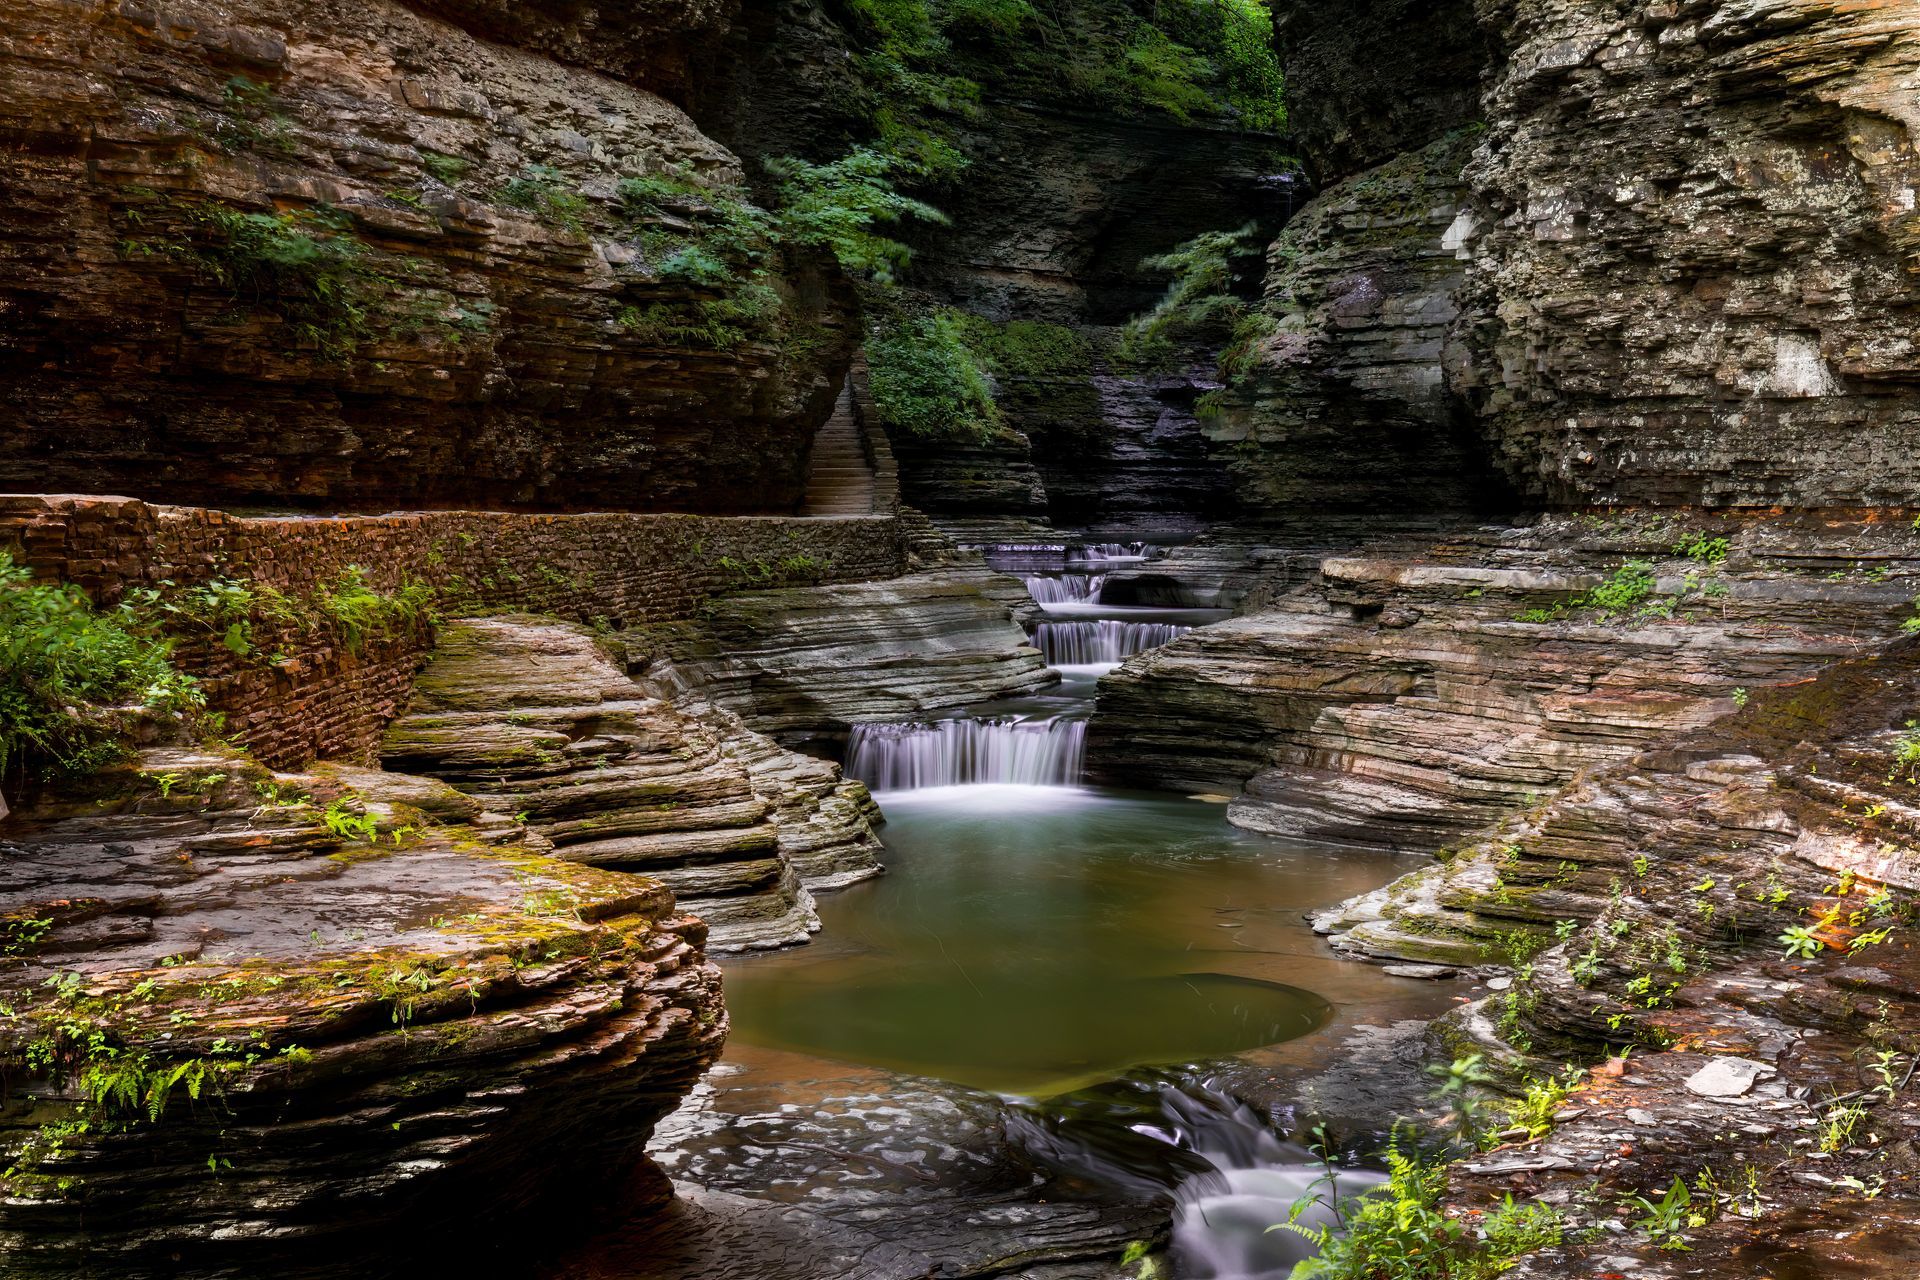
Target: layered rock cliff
(531, 719)
(305, 1022)
(350, 256)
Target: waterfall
(1078, 644)
(951, 753)
(1096, 552)
(1072, 588)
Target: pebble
(1499, 984)
(1636, 1116)
(1727, 1077)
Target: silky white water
(1103, 640)
(1039, 752)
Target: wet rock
(529, 717)
(800, 665)
(338, 1028)
(1727, 1077)
(1429, 971)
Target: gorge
(794, 639)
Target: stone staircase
(840, 479)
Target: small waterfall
(1071, 588)
(1097, 552)
(1231, 1177)
(951, 753)
(1079, 644)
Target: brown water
(1031, 940)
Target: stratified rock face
(1678, 877)
(1693, 253)
(1369, 79)
(803, 664)
(319, 1025)
(439, 301)
(652, 43)
(1402, 701)
(1347, 406)
(530, 718)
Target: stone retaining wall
(321, 698)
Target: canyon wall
(1670, 263)
(348, 257)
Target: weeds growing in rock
(71, 673)
(365, 613)
(543, 191)
(1215, 277)
(304, 266)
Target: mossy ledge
(243, 1011)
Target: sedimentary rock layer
(345, 256)
(313, 1025)
(1416, 692)
(1680, 876)
(801, 665)
(530, 718)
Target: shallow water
(1031, 940)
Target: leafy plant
(364, 612)
(1801, 942)
(543, 191)
(1206, 300)
(926, 379)
(70, 671)
(305, 266)
(1666, 1220)
(838, 206)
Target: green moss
(927, 382)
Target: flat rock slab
(1727, 1077)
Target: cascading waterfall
(1070, 588)
(1096, 552)
(1045, 752)
(1104, 641)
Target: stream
(1024, 1045)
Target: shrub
(67, 667)
(1201, 304)
(305, 266)
(837, 206)
(926, 380)
(1027, 348)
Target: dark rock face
(1692, 250)
(487, 363)
(1349, 407)
(330, 1048)
(1676, 270)
(654, 44)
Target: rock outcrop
(529, 717)
(1676, 270)
(345, 256)
(1417, 691)
(1733, 904)
(311, 1025)
(801, 665)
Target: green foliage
(348, 825)
(1399, 1232)
(67, 667)
(226, 607)
(1801, 942)
(1906, 755)
(543, 191)
(447, 170)
(1201, 304)
(364, 613)
(838, 206)
(1705, 550)
(1624, 594)
(926, 380)
(1666, 1220)
(1027, 348)
(1545, 1096)
(305, 266)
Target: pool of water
(1034, 940)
